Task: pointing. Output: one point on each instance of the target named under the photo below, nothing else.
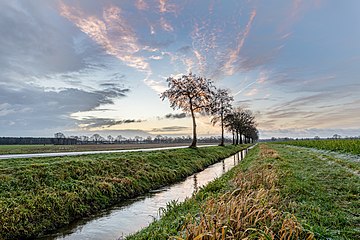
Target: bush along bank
(39, 195)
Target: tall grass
(242, 204)
(338, 145)
(38, 195)
(276, 192)
(249, 211)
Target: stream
(132, 215)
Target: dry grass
(266, 152)
(249, 212)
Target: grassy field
(23, 149)
(276, 192)
(41, 194)
(339, 145)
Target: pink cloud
(252, 92)
(112, 32)
(165, 6)
(141, 5)
(166, 25)
(228, 67)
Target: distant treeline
(32, 140)
(97, 139)
(286, 139)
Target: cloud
(158, 86)
(166, 25)
(228, 67)
(156, 57)
(40, 112)
(31, 45)
(165, 6)
(162, 6)
(322, 110)
(176, 115)
(91, 123)
(252, 92)
(113, 92)
(169, 129)
(112, 32)
(141, 5)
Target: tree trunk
(233, 133)
(237, 137)
(222, 130)
(241, 140)
(194, 141)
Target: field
(41, 194)
(340, 145)
(23, 149)
(276, 192)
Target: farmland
(339, 145)
(41, 194)
(25, 149)
(277, 191)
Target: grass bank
(41, 194)
(276, 192)
(339, 145)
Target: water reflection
(137, 213)
(196, 187)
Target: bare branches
(192, 94)
(220, 106)
(241, 122)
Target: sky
(84, 66)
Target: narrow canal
(135, 214)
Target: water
(135, 214)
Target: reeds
(248, 212)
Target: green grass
(26, 149)
(323, 196)
(175, 215)
(41, 194)
(339, 145)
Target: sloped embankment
(244, 203)
(276, 192)
(41, 194)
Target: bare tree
(148, 139)
(158, 138)
(138, 139)
(238, 122)
(96, 138)
(251, 134)
(220, 106)
(110, 138)
(59, 135)
(120, 138)
(192, 94)
(84, 138)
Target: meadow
(339, 145)
(276, 192)
(27, 149)
(42, 194)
